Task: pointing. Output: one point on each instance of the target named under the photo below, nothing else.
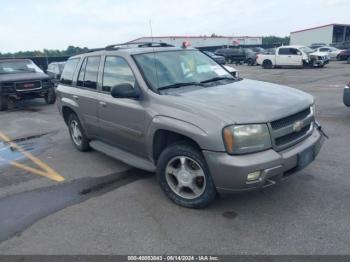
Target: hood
(242, 102)
(23, 77)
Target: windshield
(169, 68)
(14, 67)
(306, 49)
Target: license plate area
(306, 157)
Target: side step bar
(123, 156)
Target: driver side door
(121, 120)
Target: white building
(203, 41)
(328, 34)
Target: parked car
(346, 95)
(258, 50)
(344, 55)
(332, 51)
(250, 56)
(298, 56)
(176, 112)
(317, 45)
(233, 71)
(54, 70)
(342, 45)
(218, 58)
(232, 55)
(22, 79)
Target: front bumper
(230, 172)
(346, 96)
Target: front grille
(292, 136)
(289, 120)
(29, 85)
(292, 129)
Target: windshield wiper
(177, 85)
(217, 79)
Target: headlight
(241, 139)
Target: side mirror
(58, 76)
(298, 53)
(125, 91)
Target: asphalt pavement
(61, 201)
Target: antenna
(154, 53)
(151, 30)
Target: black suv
(22, 79)
(232, 54)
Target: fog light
(253, 176)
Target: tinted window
(116, 71)
(68, 72)
(283, 51)
(89, 72)
(324, 49)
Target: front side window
(18, 66)
(162, 69)
(89, 72)
(116, 71)
(69, 70)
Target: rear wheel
(50, 97)
(3, 103)
(267, 64)
(77, 133)
(250, 62)
(184, 177)
(348, 60)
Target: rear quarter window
(69, 70)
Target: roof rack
(137, 44)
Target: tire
(175, 173)
(3, 103)
(267, 64)
(50, 97)
(348, 60)
(78, 137)
(250, 62)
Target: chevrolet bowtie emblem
(297, 126)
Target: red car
(344, 55)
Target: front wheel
(184, 176)
(50, 97)
(3, 103)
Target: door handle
(76, 97)
(104, 104)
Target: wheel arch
(164, 131)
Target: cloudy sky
(55, 24)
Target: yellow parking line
(44, 170)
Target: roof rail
(137, 44)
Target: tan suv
(176, 112)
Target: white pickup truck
(293, 55)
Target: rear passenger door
(122, 120)
(86, 93)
